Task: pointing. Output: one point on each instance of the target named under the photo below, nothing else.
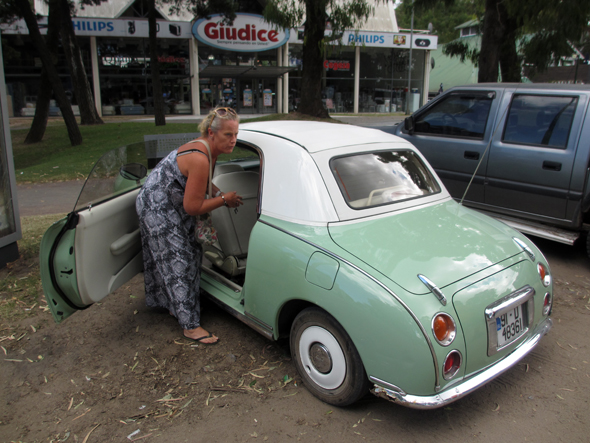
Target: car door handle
(125, 242)
(551, 166)
(471, 155)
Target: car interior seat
(224, 168)
(234, 227)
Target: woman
(173, 194)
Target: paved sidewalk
(48, 198)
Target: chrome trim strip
(370, 277)
(434, 289)
(221, 279)
(511, 300)
(244, 318)
(260, 322)
(524, 247)
(460, 390)
(389, 385)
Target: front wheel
(326, 358)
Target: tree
(157, 96)
(340, 14)
(545, 29)
(23, 9)
(444, 18)
(82, 90)
(37, 129)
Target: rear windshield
(381, 178)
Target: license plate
(510, 326)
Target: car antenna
(486, 149)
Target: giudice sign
(248, 33)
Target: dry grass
(21, 292)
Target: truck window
(540, 120)
(458, 114)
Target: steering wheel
(449, 117)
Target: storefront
(240, 65)
(250, 65)
(369, 71)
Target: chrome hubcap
(320, 358)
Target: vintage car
(347, 243)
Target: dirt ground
(119, 371)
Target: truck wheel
(326, 358)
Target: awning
(245, 71)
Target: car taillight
(452, 364)
(547, 304)
(444, 328)
(544, 274)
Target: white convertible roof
(298, 184)
(319, 136)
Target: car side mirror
(133, 171)
(409, 124)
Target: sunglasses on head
(224, 111)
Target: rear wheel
(326, 358)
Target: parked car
(348, 244)
(525, 145)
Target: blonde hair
(213, 120)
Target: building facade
(249, 65)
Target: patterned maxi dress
(171, 255)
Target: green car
(347, 243)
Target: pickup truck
(521, 151)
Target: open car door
(97, 247)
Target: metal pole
(409, 94)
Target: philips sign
(249, 33)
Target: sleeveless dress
(171, 255)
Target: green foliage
(205, 8)
(340, 15)
(554, 28)
(547, 29)
(459, 49)
(444, 17)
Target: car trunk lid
(445, 242)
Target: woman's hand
(232, 199)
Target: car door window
(459, 114)
(540, 120)
(118, 171)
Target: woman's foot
(201, 335)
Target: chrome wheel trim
(319, 339)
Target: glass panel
(381, 178)
(457, 115)
(7, 219)
(106, 180)
(540, 120)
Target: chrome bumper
(469, 385)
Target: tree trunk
(490, 44)
(313, 59)
(508, 56)
(158, 98)
(498, 45)
(37, 130)
(82, 89)
(60, 94)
